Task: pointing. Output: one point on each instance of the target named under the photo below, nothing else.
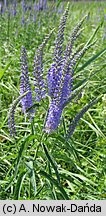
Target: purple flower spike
(38, 70)
(22, 20)
(44, 4)
(24, 82)
(38, 76)
(60, 37)
(35, 6)
(55, 72)
(53, 118)
(5, 3)
(75, 121)
(23, 5)
(60, 74)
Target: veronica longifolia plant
(60, 74)
(59, 78)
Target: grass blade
(2, 71)
(59, 186)
(32, 177)
(19, 185)
(53, 163)
(92, 59)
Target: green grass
(35, 166)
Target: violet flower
(24, 83)
(39, 84)
(75, 121)
(14, 12)
(5, 3)
(22, 20)
(60, 74)
(54, 73)
(59, 78)
(53, 117)
(44, 4)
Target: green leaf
(59, 186)
(92, 59)
(95, 32)
(18, 158)
(32, 176)
(77, 176)
(26, 140)
(69, 146)
(19, 185)
(85, 81)
(58, 3)
(53, 163)
(2, 71)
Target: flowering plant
(59, 86)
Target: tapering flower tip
(38, 70)
(40, 4)
(23, 20)
(24, 83)
(60, 37)
(75, 121)
(14, 8)
(55, 71)
(35, 6)
(74, 35)
(5, 3)
(23, 5)
(44, 4)
(53, 118)
(0, 6)
(79, 53)
(41, 47)
(38, 77)
(69, 65)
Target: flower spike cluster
(60, 75)
(54, 73)
(38, 70)
(24, 83)
(59, 78)
(54, 78)
(74, 35)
